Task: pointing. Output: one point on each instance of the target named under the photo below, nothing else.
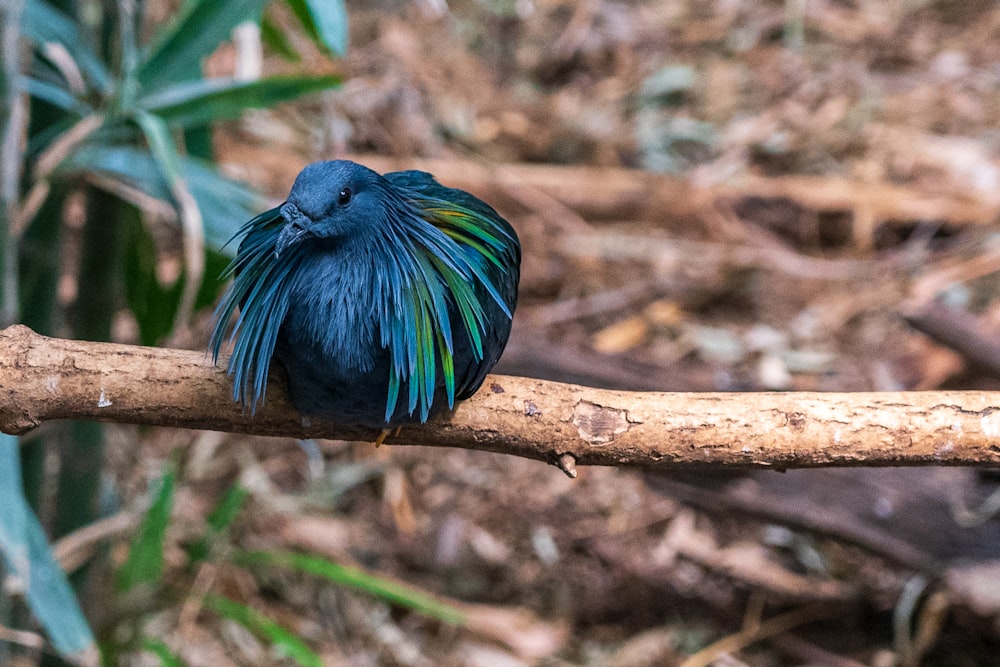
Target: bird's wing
(476, 256)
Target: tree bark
(567, 425)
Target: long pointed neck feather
(262, 290)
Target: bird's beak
(296, 226)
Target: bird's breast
(331, 322)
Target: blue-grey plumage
(386, 298)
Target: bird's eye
(344, 196)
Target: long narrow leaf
(199, 102)
(356, 578)
(29, 560)
(161, 145)
(325, 22)
(197, 31)
(43, 23)
(274, 38)
(167, 657)
(145, 558)
(282, 640)
(219, 519)
(15, 516)
(55, 95)
(225, 204)
(229, 506)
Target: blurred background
(711, 196)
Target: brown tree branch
(48, 378)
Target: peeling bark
(566, 425)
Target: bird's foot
(386, 432)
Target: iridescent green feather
(467, 251)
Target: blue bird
(385, 297)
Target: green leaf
(199, 102)
(15, 517)
(167, 657)
(55, 95)
(284, 642)
(227, 509)
(161, 145)
(225, 204)
(153, 305)
(41, 23)
(357, 579)
(197, 31)
(145, 558)
(218, 520)
(32, 567)
(274, 39)
(325, 21)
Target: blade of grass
(353, 577)
(225, 512)
(145, 557)
(274, 38)
(54, 95)
(219, 519)
(282, 640)
(167, 657)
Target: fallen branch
(608, 193)
(566, 425)
(615, 193)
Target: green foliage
(43, 24)
(167, 657)
(325, 22)
(138, 103)
(284, 642)
(31, 566)
(273, 37)
(145, 558)
(138, 108)
(137, 171)
(357, 579)
(223, 515)
(219, 520)
(178, 49)
(144, 564)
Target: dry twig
(773, 626)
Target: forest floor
(738, 196)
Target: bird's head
(330, 200)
